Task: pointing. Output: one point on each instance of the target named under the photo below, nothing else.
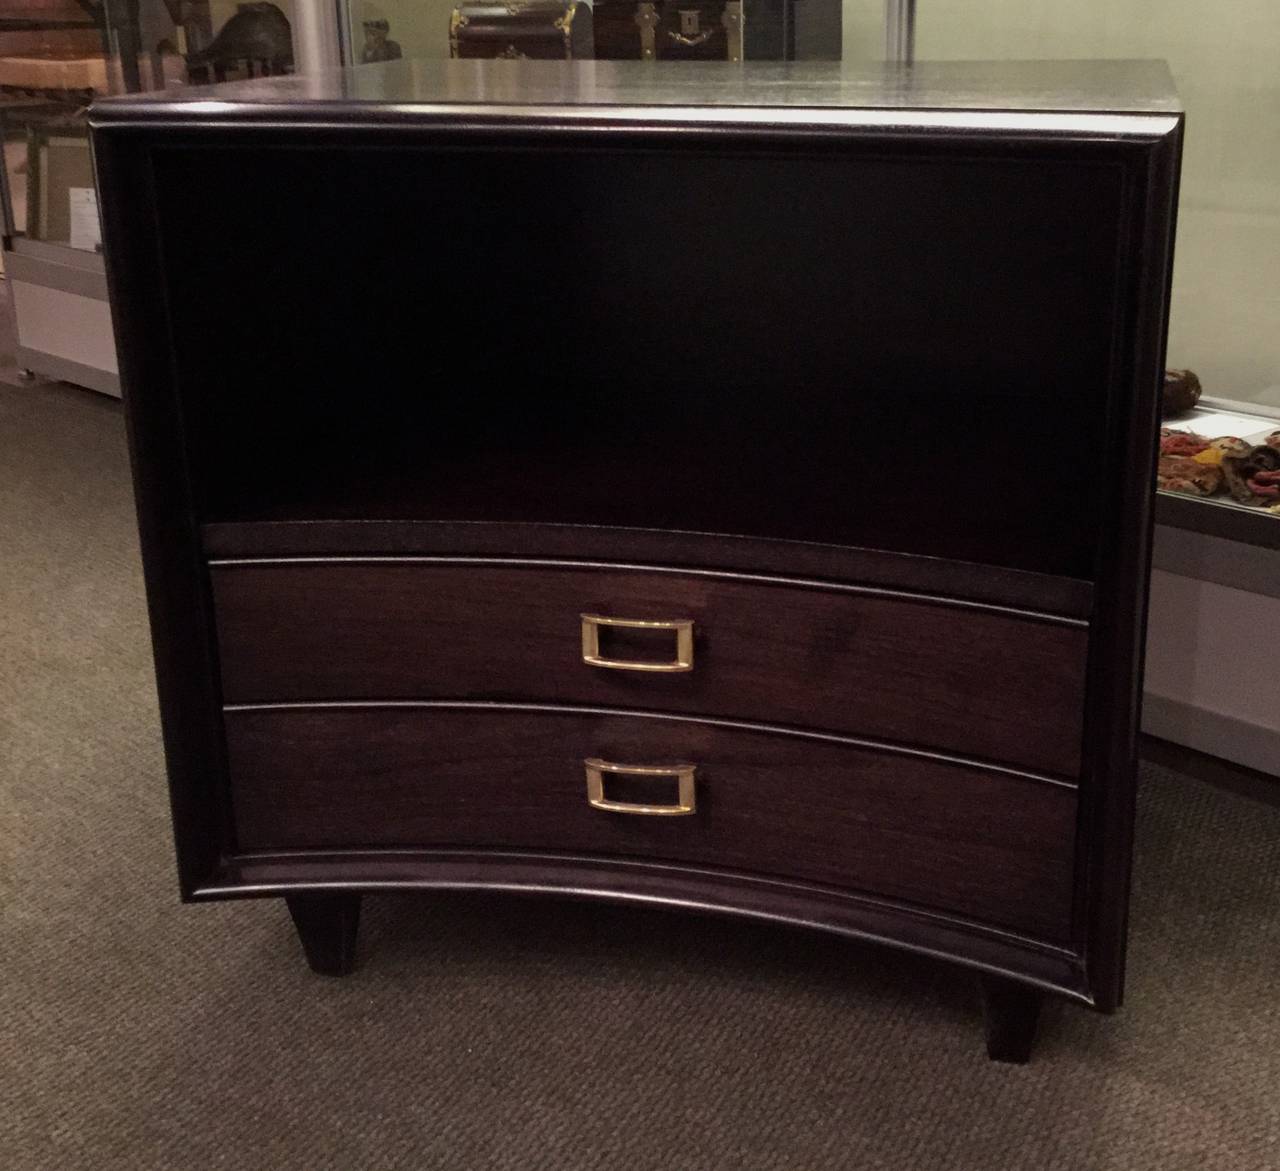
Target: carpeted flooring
(491, 1033)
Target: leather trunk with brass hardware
(537, 29)
(669, 30)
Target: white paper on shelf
(86, 229)
(1213, 424)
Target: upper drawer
(975, 681)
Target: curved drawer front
(976, 682)
(985, 844)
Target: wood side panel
(178, 602)
(977, 683)
(986, 845)
(1118, 637)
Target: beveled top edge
(951, 94)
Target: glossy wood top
(400, 89)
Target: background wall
(863, 29)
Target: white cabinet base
(62, 320)
(1212, 680)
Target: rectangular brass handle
(683, 773)
(683, 629)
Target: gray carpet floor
(490, 1033)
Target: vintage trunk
(669, 30)
(548, 29)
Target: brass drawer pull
(683, 774)
(591, 624)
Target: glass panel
(1225, 317)
(57, 55)
(54, 192)
(52, 61)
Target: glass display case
(56, 56)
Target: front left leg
(1012, 1013)
(327, 925)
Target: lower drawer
(985, 844)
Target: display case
(1225, 454)
(55, 57)
(51, 235)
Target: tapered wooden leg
(1011, 1011)
(327, 925)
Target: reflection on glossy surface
(1093, 86)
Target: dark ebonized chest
(725, 488)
